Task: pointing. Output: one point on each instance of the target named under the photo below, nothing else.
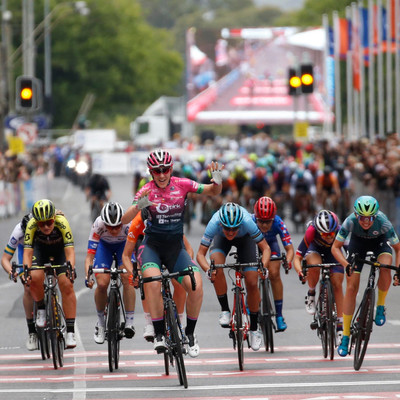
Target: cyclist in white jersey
(16, 243)
(108, 236)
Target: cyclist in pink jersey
(165, 199)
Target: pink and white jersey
(100, 232)
(166, 216)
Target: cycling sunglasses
(328, 235)
(264, 221)
(114, 228)
(162, 170)
(362, 218)
(47, 223)
(230, 229)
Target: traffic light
(294, 82)
(307, 78)
(28, 94)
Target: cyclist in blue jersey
(271, 225)
(231, 226)
(370, 230)
(16, 243)
(108, 236)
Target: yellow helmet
(43, 210)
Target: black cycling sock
(31, 325)
(159, 327)
(223, 301)
(70, 324)
(253, 321)
(190, 325)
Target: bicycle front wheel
(239, 327)
(364, 327)
(330, 320)
(113, 319)
(43, 342)
(53, 331)
(266, 315)
(176, 344)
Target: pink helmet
(159, 158)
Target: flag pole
(371, 66)
(355, 57)
(349, 83)
(389, 71)
(381, 113)
(338, 109)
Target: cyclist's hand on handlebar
(302, 278)
(89, 282)
(134, 279)
(349, 269)
(396, 280)
(289, 265)
(211, 274)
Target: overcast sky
(283, 4)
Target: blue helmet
(230, 215)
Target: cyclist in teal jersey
(370, 231)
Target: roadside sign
(301, 130)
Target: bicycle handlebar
(166, 276)
(50, 268)
(282, 258)
(374, 263)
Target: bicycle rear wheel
(53, 331)
(266, 315)
(239, 327)
(364, 327)
(330, 320)
(321, 313)
(113, 318)
(176, 345)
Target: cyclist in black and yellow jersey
(48, 237)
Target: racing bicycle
(240, 321)
(52, 336)
(362, 322)
(115, 311)
(175, 338)
(325, 317)
(267, 312)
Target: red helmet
(265, 208)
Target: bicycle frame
(362, 321)
(115, 311)
(174, 333)
(240, 321)
(325, 318)
(55, 328)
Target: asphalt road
(297, 369)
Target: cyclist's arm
(188, 247)
(201, 258)
(266, 252)
(289, 252)
(88, 261)
(70, 255)
(337, 252)
(28, 255)
(297, 263)
(127, 256)
(6, 263)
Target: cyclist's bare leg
(313, 273)
(153, 296)
(179, 296)
(220, 285)
(68, 296)
(275, 278)
(100, 293)
(337, 284)
(129, 294)
(349, 301)
(27, 301)
(385, 276)
(36, 285)
(194, 297)
(253, 293)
